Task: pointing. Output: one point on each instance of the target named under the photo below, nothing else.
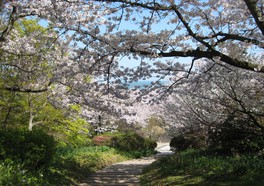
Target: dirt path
(126, 173)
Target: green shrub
(183, 142)
(133, 142)
(237, 136)
(179, 143)
(150, 144)
(13, 173)
(35, 149)
(130, 144)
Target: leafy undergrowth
(35, 158)
(193, 167)
(69, 167)
(74, 165)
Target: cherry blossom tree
(102, 32)
(225, 99)
(25, 77)
(116, 42)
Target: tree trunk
(30, 123)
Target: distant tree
(155, 128)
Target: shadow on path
(126, 173)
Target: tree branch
(28, 90)
(17, 89)
(151, 5)
(226, 36)
(12, 19)
(205, 54)
(256, 13)
(9, 26)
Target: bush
(133, 142)
(130, 143)
(237, 136)
(150, 144)
(13, 173)
(102, 140)
(179, 143)
(183, 142)
(35, 149)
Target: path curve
(125, 173)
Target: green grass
(75, 165)
(70, 166)
(195, 167)
(37, 159)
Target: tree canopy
(104, 30)
(113, 43)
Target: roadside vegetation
(36, 158)
(63, 88)
(224, 157)
(204, 167)
(44, 138)
(218, 136)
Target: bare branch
(12, 19)
(238, 38)
(256, 13)
(10, 25)
(205, 54)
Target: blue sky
(132, 63)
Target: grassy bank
(68, 167)
(196, 167)
(74, 165)
(35, 158)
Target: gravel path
(126, 173)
